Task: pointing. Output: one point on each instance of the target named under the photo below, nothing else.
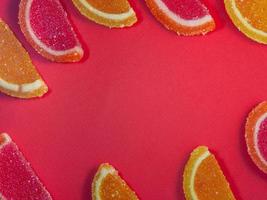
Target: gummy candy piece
(18, 76)
(204, 179)
(47, 28)
(110, 13)
(185, 17)
(17, 179)
(256, 135)
(250, 17)
(108, 185)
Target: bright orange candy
(203, 178)
(108, 185)
(250, 17)
(110, 13)
(18, 76)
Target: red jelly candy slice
(17, 179)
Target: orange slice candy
(256, 135)
(18, 76)
(250, 17)
(185, 17)
(203, 178)
(111, 13)
(108, 185)
(46, 27)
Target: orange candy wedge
(18, 76)
(250, 17)
(204, 179)
(110, 13)
(108, 185)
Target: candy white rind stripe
(77, 49)
(194, 171)
(29, 87)
(102, 174)
(112, 16)
(190, 23)
(244, 21)
(26, 87)
(255, 136)
(9, 86)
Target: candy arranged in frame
(17, 179)
(47, 28)
(110, 13)
(204, 179)
(185, 17)
(18, 76)
(107, 184)
(256, 135)
(250, 17)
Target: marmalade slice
(210, 183)
(113, 6)
(110, 13)
(46, 27)
(255, 12)
(18, 76)
(108, 185)
(203, 178)
(18, 180)
(185, 17)
(250, 17)
(256, 135)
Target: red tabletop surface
(142, 100)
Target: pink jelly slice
(17, 179)
(187, 9)
(49, 22)
(262, 139)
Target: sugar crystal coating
(108, 185)
(15, 63)
(113, 187)
(17, 179)
(203, 178)
(187, 9)
(254, 12)
(262, 139)
(112, 13)
(49, 22)
(18, 76)
(113, 6)
(46, 27)
(185, 17)
(210, 183)
(256, 135)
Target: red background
(141, 100)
